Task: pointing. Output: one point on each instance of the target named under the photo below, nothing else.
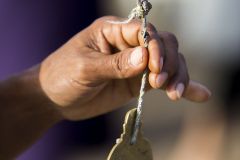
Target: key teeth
(129, 120)
(118, 141)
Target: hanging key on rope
(132, 145)
(144, 9)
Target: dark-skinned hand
(100, 69)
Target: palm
(115, 93)
(104, 97)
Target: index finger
(123, 36)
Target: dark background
(29, 32)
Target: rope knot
(146, 6)
(142, 9)
(140, 12)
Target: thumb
(125, 64)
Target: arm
(26, 113)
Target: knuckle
(118, 66)
(172, 69)
(100, 21)
(184, 69)
(110, 18)
(171, 38)
(104, 18)
(137, 23)
(151, 28)
(187, 79)
(182, 58)
(184, 78)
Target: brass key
(124, 150)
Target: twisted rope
(140, 12)
(146, 7)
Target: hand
(100, 69)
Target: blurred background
(209, 35)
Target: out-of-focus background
(209, 35)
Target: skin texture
(95, 72)
(95, 67)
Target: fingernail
(161, 79)
(206, 89)
(209, 93)
(179, 90)
(136, 56)
(161, 63)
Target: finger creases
(129, 33)
(121, 34)
(124, 64)
(178, 83)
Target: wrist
(25, 89)
(26, 113)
